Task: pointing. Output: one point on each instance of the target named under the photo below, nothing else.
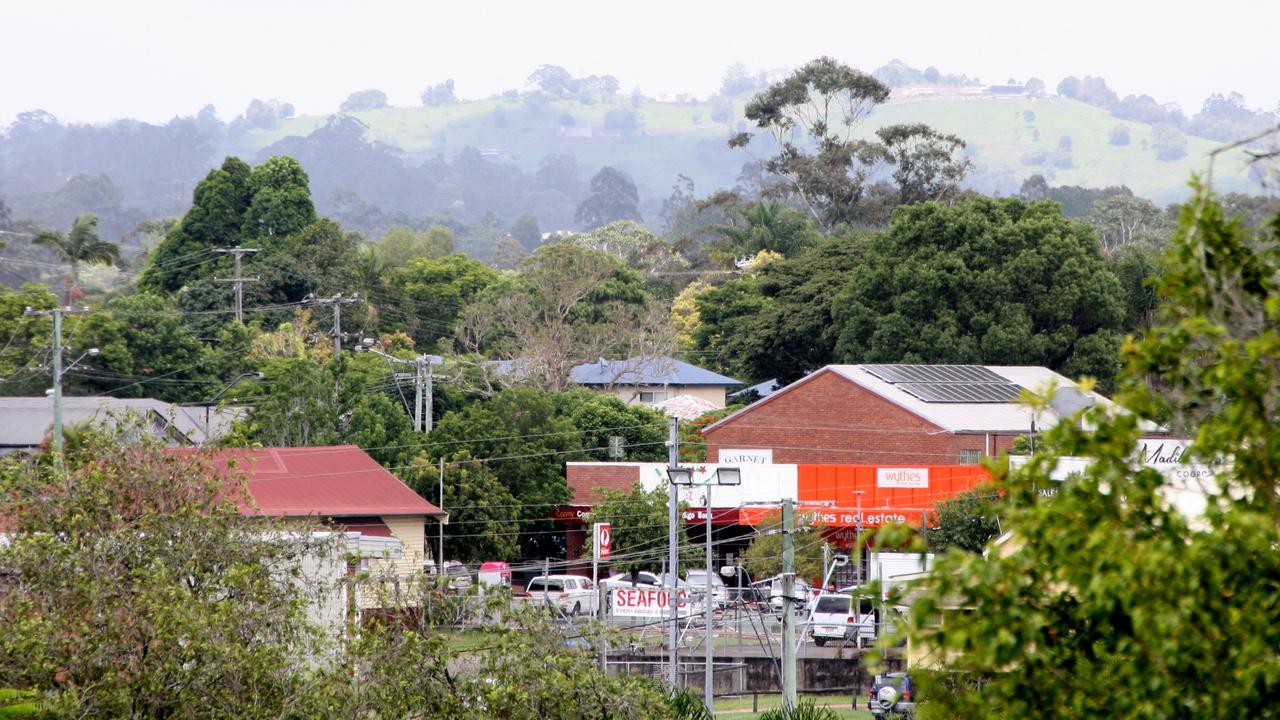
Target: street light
(683, 477)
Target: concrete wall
(829, 419)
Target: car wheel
(819, 641)
(577, 608)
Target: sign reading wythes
(648, 603)
(902, 477)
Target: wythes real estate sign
(902, 477)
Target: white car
(459, 576)
(697, 578)
(835, 620)
(568, 594)
(773, 588)
(643, 579)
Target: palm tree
(81, 245)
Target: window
(970, 457)
(654, 396)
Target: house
(651, 380)
(343, 487)
(899, 414)
(25, 422)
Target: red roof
(331, 481)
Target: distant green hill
(680, 138)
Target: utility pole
(857, 540)
(441, 523)
(708, 680)
(788, 609)
(239, 279)
(57, 314)
(336, 302)
(423, 392)
(673, 564)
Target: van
(835, 619)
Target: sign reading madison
(902, 477)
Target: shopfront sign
(746, 457)
(648, 602)
(902, 477)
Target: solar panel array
(948, 383)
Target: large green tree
(216, 219)
(524, 439)
(1115, 598)
(135, 588)
(983, 281)
(613, 196)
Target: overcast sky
(97, 60)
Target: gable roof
(646, 371)
(330, 481)
(955, 417)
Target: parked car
(458, 574)
(740, 586)
(835, 619)
(697, 578)
(892, 695)
(773, 587)
(568, 594)
(642, 579)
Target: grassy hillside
(680, 138)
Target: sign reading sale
(602, 540)
(648, 602)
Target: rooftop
(646, 371)
(330, 481)
(25, 421)
(951, 411)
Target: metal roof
(329, 481)
(26, 421)
(646, 371)
(958, 417)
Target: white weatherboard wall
(760, 483)
(409, 530)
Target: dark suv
(892, 696)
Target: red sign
(603, 542)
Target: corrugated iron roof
(329, 481)
(25, 421)
(958, 417)
(646, 371)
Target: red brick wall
(586, 481)
(829, 419)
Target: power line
(239, 279)
(336, 302)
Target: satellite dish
(1068, 401)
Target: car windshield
(833, 604)
(545, 586)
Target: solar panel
(934, 374)
(952, 392)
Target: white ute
(569, 594)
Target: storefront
(840, 499)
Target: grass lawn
(741, 706)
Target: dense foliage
(1131, 593)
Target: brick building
(896, 414)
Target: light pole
(857, 538)
(722, 476)
(208, 404)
